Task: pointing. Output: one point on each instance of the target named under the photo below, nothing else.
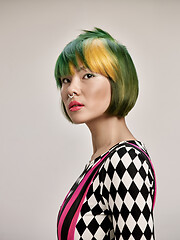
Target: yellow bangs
(71, 68)
(79, 63)
(100, 60)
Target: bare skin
(106, 133)
(93, 90)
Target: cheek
(101, 93)
(62, 94)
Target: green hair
(113, 61)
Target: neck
(106, 132)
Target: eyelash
(62, 81)
(91, 75)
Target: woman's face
(92, 90)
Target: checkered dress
(113, 198)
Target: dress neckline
(136, 142)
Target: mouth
(75, 105)
(76, 108)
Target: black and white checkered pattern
(119, 202)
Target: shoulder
(127, 171)
(126, 158)
(127, 153)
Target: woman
(114, 196)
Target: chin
(87, 118)
(79, 120)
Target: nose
(74, 86)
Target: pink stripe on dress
(74, 220)
(63, 203)
(73, 198)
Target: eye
(65, 80)
(88, 75)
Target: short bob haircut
(99, 52)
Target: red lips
(73, 103)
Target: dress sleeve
(127, 190)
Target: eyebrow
(82, 68)
(78, 70)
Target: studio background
(41, 153)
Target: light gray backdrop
(41, 153)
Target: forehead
(81, 68)
(76, 70)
